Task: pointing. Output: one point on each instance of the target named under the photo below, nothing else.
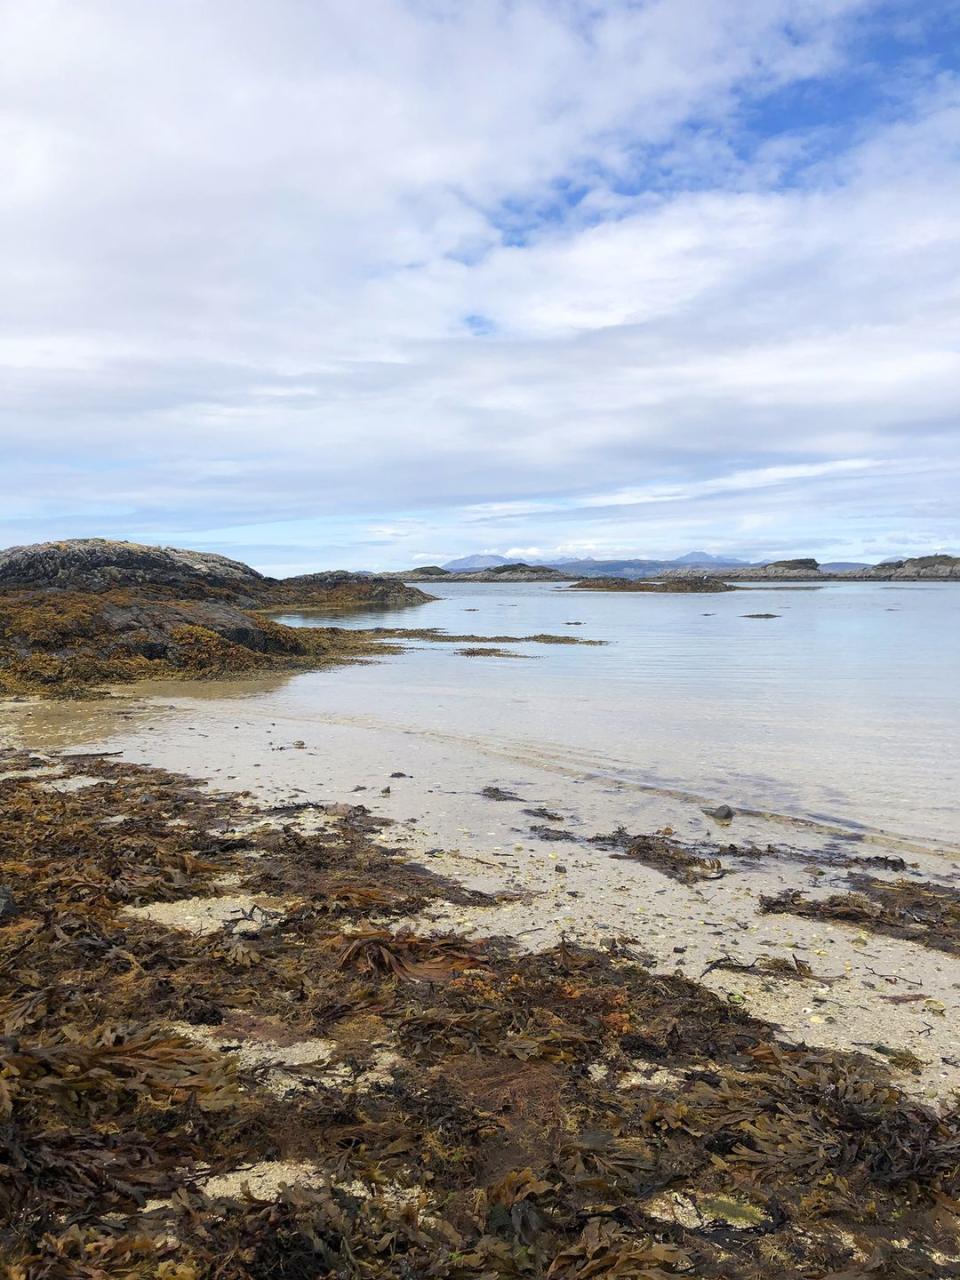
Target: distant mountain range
(588, 567)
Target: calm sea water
(845, 707)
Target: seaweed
(673, 859)
(926, 913)
(69, 644)
(437, 1106)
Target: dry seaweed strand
(920, 912)
(494, 1143)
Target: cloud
(351, 275)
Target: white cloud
(240, 243)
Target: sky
(320, 283)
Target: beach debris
(770, 966)
(673, 859)
(919, 911)
(489, 651)
(444, 1106)
(497, 793)
(553, 834)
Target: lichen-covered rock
(101, 564)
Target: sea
(830, 709)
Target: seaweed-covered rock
(338, 589)
(65, 642)
(683, 584)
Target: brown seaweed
(925, 913)
(498, 1139)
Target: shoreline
(495, 845)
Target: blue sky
(372, 285)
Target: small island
(685, 585)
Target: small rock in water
(722, 813)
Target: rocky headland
(86, 612)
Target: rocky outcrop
(65, 643)
(101, 565)
(89, 612)
(938, 568)
(918, 569)
(423, 573)
(680, 585)
(518, 572)
(338, 589)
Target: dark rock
(722, 813)
(802, 565)
(100, 564)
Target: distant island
(693, 565)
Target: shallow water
(841, 714)
(845, 707)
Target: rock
(100, 564)
(337, 589)
(518, 572)
(8, 904)
(722, 813)
(802, 565)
